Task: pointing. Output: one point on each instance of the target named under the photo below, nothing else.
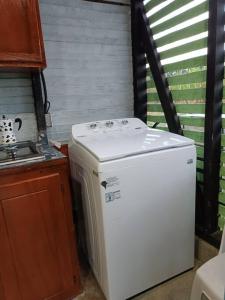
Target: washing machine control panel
(114, 127)
(108, 124)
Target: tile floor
(178, 288)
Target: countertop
(49, 152)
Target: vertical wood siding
(16, 100)
(89, 73)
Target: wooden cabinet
(38, 258)
(21, 35)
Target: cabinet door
(21, 36)
(35, 252)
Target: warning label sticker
(112, 181)
(111, 196)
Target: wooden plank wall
(16, 100)
(89, 74)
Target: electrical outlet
(48, 120)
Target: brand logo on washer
(190, 161)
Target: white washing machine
(138, 190)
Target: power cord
(47, 103)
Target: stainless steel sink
(19, 152)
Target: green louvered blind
(180, 29)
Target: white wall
(89, 73)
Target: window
(180, 30)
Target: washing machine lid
(124, 139)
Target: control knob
(93, 125)
(109, 124)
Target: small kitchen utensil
(7, 134)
